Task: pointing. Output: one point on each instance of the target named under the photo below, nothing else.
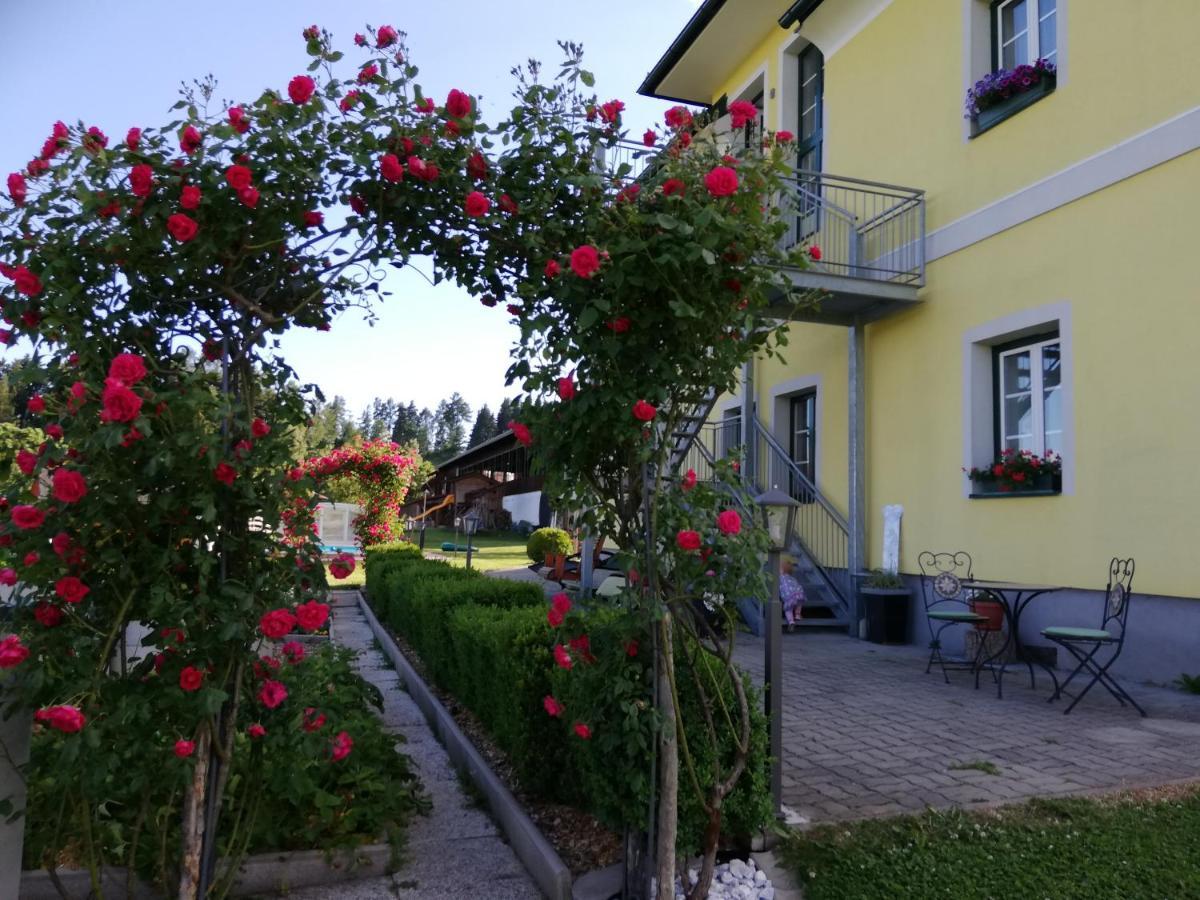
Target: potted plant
(547, 544)
(886, 600)
(1014, 472)
(999, 94)
(983, 604)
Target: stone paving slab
(867, 733)
(454, 853)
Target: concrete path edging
(530, 845)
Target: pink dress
(791, 594)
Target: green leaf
(589, 317)
(587, 77)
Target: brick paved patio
(868, 733)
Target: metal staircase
(820, 537)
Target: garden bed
(1132, 844)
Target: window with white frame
(1024, 31)
(1029, 409)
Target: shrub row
(487, 642)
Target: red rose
(47, 614)
(27, 517)
(585, 261)
(367, 72)
(238, 177)
(688, 540)
(521, 433)
(513, 309)
(341, 746)
(741, 112)
(16, 188)
(259, 428)
(12, 652)
(566, 387)
(649, 138)
(619, 325)
(689, 479)
(814, 253)
(426, 106)
(360, 40)
(132, 137)
(69, 486)
(476, 204)
(225, 473)
(678, 117)
(458, 104)
(631, 649)
(71, 589)
(341, 566)
(509, 205)
(189, 197)
(629, 194)
(312, 615)
(108, 210)
(184, 749)
(295, 474)
(552, 706)
(582, 730)
(26, 461)
(477, 166)
(729, 522)
(182, 227)
(611, 111)
(61, 543)
(560, 605)
(294, 651)
(784, 137)
(300, 89)
(131, 437)
(643, 411)
(390, 167)
(348, 101)
(8, 577)
(249, 196)
(276, 623)
(141, 180)
(238, 120)
(127, 368)
(562, 657)
(272, 693)
(256, 731)
(313, 720)
(552, 269)
(386, 36)
(26, 282)
(67, 719)
(721, 181)
(313, 218)
(190, 140)
(120, 403)
(190, 678)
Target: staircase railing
(821, 531)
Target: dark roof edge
(798, 12)
(682, 43)
(495, 439)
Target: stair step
(840, 624)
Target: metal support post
(773, 680)
(857, 457)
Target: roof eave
(693, 29)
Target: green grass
(356, 580)
(490, 550)
(1134, 846)
(980, 765)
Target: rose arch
(378, 475)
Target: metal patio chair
(1085, 643)
(946, 605)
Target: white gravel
(736, 880)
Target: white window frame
(1037, 393)
(1033, 22)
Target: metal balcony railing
(864, 229)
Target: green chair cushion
(1061, 632)
(949, 615)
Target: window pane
(808, 122)
(1048, 31)
(1016, 372)
(1051, 366)
(1017, 52)
(1052, 412)
(1018, 416)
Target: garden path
(454, 852)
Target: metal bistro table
(1013, 597)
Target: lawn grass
(490, 550)
(1138, 845)
(356, 580)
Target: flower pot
(998, 112)
(886, 611)
(1042, 484)
(992, 610)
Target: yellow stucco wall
(1122, 259)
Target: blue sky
(118, 63)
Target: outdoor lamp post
(470, 524)
(423, 524)
(779, 516)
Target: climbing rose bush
(378, 475)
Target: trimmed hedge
(487, 642)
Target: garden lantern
(470, 524)
(779, 518)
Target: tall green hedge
(487, 642)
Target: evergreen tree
(450, 424)
(484, 427)
(406, 427)
(503, 416)
(425, 432)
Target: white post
(14, 752)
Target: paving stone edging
(528, 843)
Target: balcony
(871, 238)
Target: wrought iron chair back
(942, 575)
(1116, 598)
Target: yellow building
(1033, 289)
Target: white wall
(525, 507)
(333, 523)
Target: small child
(791, 594)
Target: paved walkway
(868, 733)
(454, 852)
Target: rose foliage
(377, 475)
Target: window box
(998, 112)
(1041, 486)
